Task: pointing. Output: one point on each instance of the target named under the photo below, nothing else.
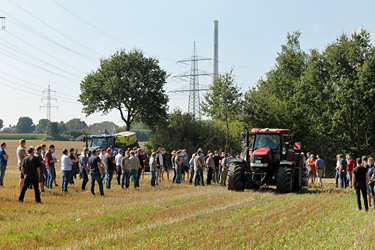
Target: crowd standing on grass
(37, 169)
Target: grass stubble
(182, 217)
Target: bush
(30, 136)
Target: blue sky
(250, 36)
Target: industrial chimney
(215, 67)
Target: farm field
(181, 217)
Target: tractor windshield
(271, 141)
(99, 142)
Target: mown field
(182, 217)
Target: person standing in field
(111, 163)
(185, 165)
(337, 176)
(165, 165)
(342, 171)
(191, 165)
(152, 164)
(178, 165)
(173, 158)
(158, 166)
(66, 170)
(225, 165)
(95, 165)
(21, 154)
(371, 179)
(102, 159)
(145, 161)
(350, 164)
(118, 159)
(50, 166)
(360, 180)
(125, 167)
(222, 156)
(366, 166)
(39, 154)
(312, 169)
(73, 157)
(321, 169)
(211, 165)
(30, 169)
(134, 166)
(44, 173)
(83, 158)
(142, 162)
(3, 163)
(198, 168)
(216, 170)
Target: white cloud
(318, 27)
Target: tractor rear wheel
(235, 177)
(284, 180)
(297, 179)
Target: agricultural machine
(268, 161)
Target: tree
(62, 127)
(25, 125)
(130, 83)
(1, 124)
(52, 131)
(75, 124)
(41, 126)
(223, 102)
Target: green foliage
(62, 127)
(1, 124)
(25, 125)
(182, 131)
(223, 102)
(13, 136)
(130, 83)
(52, 132)
(75, 124)
(326, 98)
(41, 126)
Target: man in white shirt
(66, 169)
(118, 159)
(102, 160)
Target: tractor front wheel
(235, 177)
(284, 180)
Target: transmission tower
(193, 89)
(48, 98)
(2, 19)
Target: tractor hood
(262, 151)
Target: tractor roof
(270, 131)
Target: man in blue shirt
(371, 178)
(321, 169)
(95, 166)
(3, 162)
(185, 164)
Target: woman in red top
(350, 164)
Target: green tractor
(267, 161)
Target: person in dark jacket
(360, 180)
(30, 168)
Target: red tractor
(268, 161)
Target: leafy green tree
(223, 102)
(52, 131)
(130, 83)
(62, 127)
(75, 124)
(41, 126)
(25, 125)
(1, 124)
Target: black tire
(284, 180)
(235, 177)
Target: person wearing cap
(198, 168)
(30, 169)
(118, 159)
(225, 165)
(360, 180)
(111, 163)
(83, 158)
(178, 165)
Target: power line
(193, 89)
(48, 98)
(51, 27)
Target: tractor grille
(259, 161)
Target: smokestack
(215, 67)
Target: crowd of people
(37, 169)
